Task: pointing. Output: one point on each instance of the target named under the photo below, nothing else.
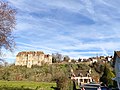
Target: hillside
(46, 73)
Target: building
(82, 80)
(81, 77)
(116, 62)
(30, 58)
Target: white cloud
(65, 26)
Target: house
(81, 77)
(116, 62)
(94, 60)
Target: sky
(77, 28)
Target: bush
(64, 83)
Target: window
(89, 80)
(85, 80)
(81, 80)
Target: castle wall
(32, 58)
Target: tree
(79, 60)
(73, 60)
(7, 24)
(56, 57)
(6, 75)
(66, 58)
(107, 76)
(64, 83)
(99, 68)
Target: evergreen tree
(107, 76)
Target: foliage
(7, 24)
(79, 60)
(107, 76)
(46, 73)
(6, 75)
(99, 68)
(56, 57)
(56, 72)
(64, 83)
(82, 66)
(73, 60)
(66, 58)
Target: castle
(30, 58)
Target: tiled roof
(29, 52)
(78, 72)
(117, 53)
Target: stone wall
(30, 58)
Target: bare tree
(57, 57)
(7, 24)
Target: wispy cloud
(78, 28)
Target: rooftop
(117, 53)
(30, 52)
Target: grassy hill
(37, 76)
(46, 73)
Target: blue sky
(78, 28)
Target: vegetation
(25, 85)
(56, 57)
(64, 83)
(107, 76)
(7, 24)
(21, 77)
(56, 73)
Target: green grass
(27, 84)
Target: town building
(82, 80)
(30, 58)
(116, 62)
(81, 77)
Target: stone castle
(30, 58)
